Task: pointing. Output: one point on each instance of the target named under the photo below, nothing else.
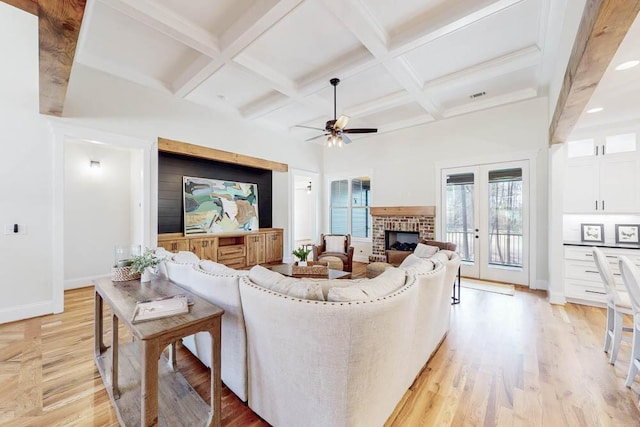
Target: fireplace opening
(401, 240)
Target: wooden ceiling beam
(27, 5)
(58, 30)
(604, 24)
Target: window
(350, 207)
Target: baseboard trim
(26, 311)
(541, 285)
(361, 258)
(82, 282)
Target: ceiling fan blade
(341, 122)
(346, 139)
(360, 130)
(315, 137)
(308, 127)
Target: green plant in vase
(144, 263)
(302, 254)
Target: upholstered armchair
(335, 245)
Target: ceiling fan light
(339, 138)
(329, 141)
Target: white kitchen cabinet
(582, 283)
(607, 181)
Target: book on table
(159, 308)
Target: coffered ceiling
(400, 63)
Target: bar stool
(631, 279)
(617, 306)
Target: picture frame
(628, 233)
(593, 233)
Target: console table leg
(98, 343)
(149, 389)
(114, 357)
(172, 355)
(215, 419)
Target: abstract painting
(212, 206)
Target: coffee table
(285, 269)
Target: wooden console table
(142, 391)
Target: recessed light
(595, 110)
(627, 65)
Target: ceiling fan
(335, 129)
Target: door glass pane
(360, 190)
(460, 223)
(505, 217)
(621, 143)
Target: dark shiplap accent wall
(171, 169)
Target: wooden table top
(122, 298)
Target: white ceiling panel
(232, 85)
(213, 16)
(371, 84)
(307, 39)
(120, 40)
(397, 16)
(497, 87)
(496, 35)
(295, 113)
(392, 115)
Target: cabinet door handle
(603, 205)
(603, 149)
(594, 292)
(591, 271)
(596, 150)
(596, 205)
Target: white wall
(25, 173)
(97, 206)
(404, 163)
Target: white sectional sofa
(299, 359)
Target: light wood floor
(507, 360)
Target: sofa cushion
(216, 268)
(186, 257)
(416, 264)
(327, 284)
(425, 251)
(297, 288)
(334, 243)
(386, 283)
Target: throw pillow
(440, 256)
(425, 251)
(215, 268)
(415, 264)
(386, 283)
(334, 243)
(264, 277)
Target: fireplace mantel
(403, 211)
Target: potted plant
(144, 264)
(301, 253)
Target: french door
(486, 213)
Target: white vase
(146, 276)
(302, 263)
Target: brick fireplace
(421, 219)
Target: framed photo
(592, 233)
(627, 233)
